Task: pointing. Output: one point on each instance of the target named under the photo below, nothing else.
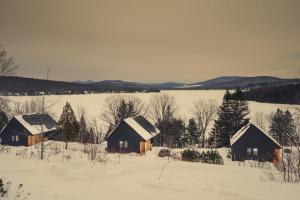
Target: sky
(151, 40)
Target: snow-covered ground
(184, 98)
(130, 176)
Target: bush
(190, 155)
(3, 192)
(210, 156)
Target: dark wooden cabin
(133, 135)
(25, 130)
(253, 143)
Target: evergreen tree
(3, 120)
(283, 128)
(223, 127)
(68, 125)
(193, 134)
(232, 115)
(290, 129)
(178, 130)
(240, 110)
(82, 130)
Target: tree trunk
(66, 146)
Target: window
(13, 138)
(17, 138)
(121, 144)
(249, 151)
(125, 144)
(0, 140)
(255, 151)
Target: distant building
(253, 143)
(25, 130)
(133, 135)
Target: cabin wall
(124, 133)
(254, 138)
(14, 128)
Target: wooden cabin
(135, 134)
(25, 130)
(253, 143)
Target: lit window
(17, 138)
(13, 138)
(125, 144)
(249, 151)
(121, 144)
(255, 151)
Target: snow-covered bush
(210, 156)
(190, 155)
(8, 192)
(3, 191)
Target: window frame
(125, 144)
(13, 138)
(249, 151)
(121, 144)
(17, 138)
(255, 151)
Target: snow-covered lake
(184, 98)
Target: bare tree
(204, 112)
(161, 106)
(7, 64)
(7, 67)
(163, 109)
(260, 119)
(118, 107)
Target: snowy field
(132, 176)
(184, 98)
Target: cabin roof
(141, 126)
(245, 129)
(35, 122)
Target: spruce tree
(232, 115)
(283, 127)
(240, 110)
(193, 132)
(223, 127)
(83, 132)
(290, 129)
(68, 125)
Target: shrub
(190, 155)
(210, 156)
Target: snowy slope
(136, 177)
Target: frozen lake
(184, 98)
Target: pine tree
(232, 115)
(178, 131)
(283, 127)
(223, 126)
(290, 129)
(68, 125)
(240, 110)
(83, 132)
(193, 132)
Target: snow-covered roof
(35, 123)
(244, 130)
(141, 126)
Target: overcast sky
(152, 40)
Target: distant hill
(242, 82)
(29, 86)
(287, 94)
